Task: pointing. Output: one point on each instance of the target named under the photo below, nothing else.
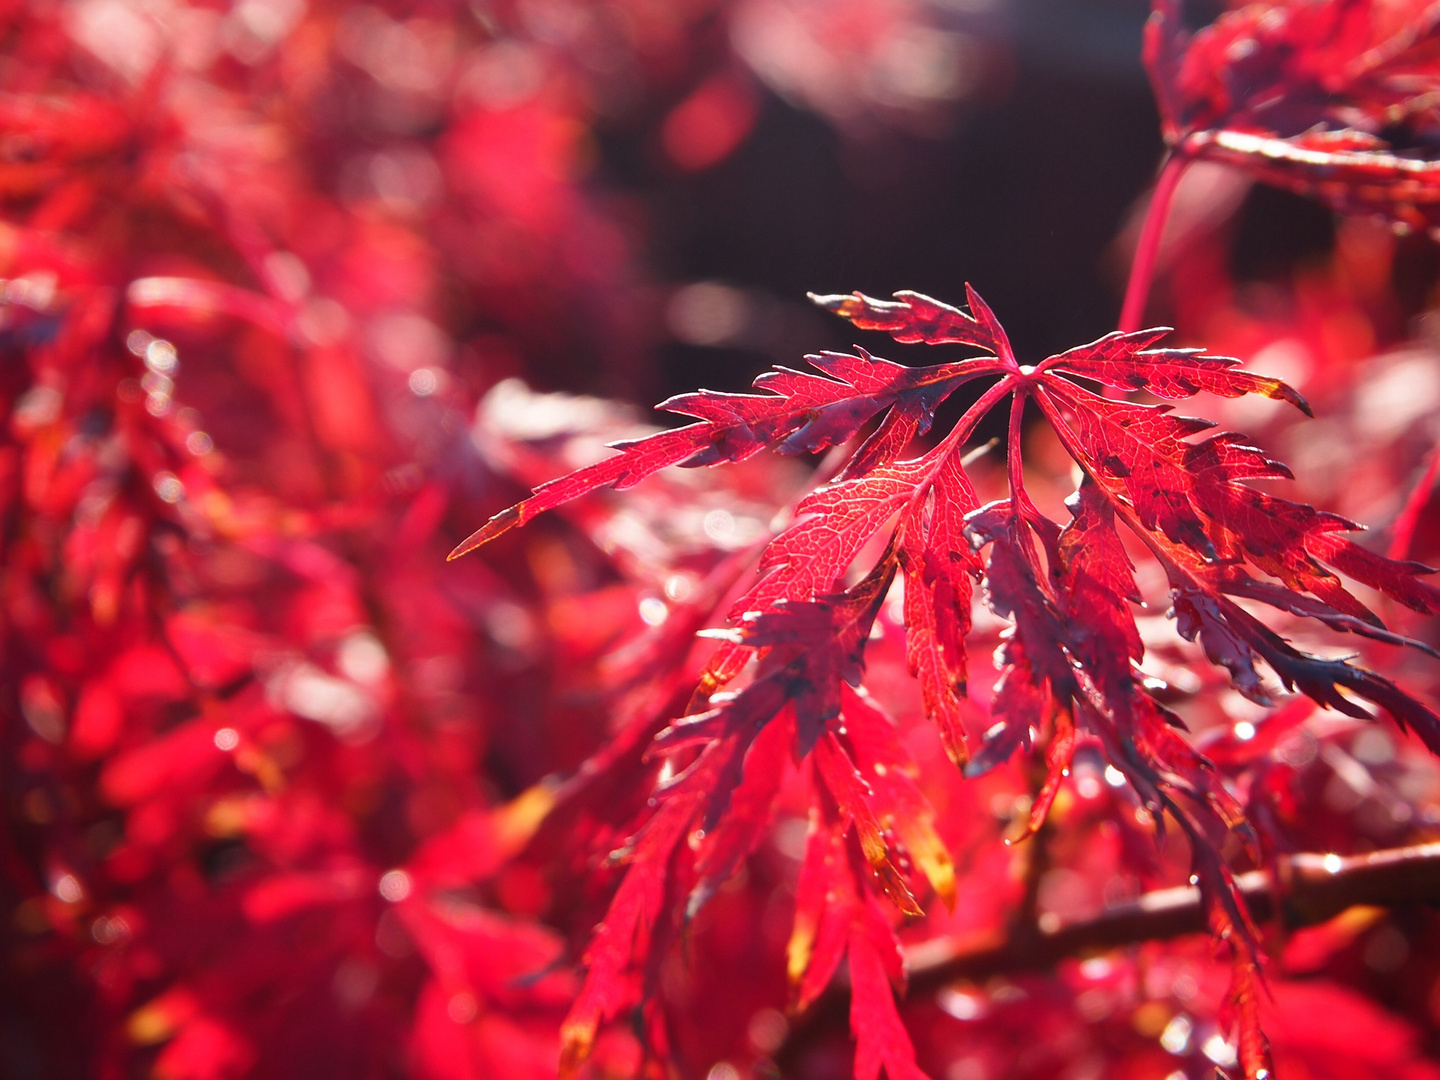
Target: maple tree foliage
(1068, 666)
(288, 794)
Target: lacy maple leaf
(1337, 100)
(1068, 665)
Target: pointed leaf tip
(501, 523)
(835, 302)
(577, 1039)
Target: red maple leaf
(1068, 665)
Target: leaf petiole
(1142, 269)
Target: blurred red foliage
(287, 795)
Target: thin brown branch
(1304, 890)
(1310, 889)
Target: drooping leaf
(837, 917)
(938, 566)
(880, 1039)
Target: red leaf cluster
(1068, 664)
(1335, 100)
